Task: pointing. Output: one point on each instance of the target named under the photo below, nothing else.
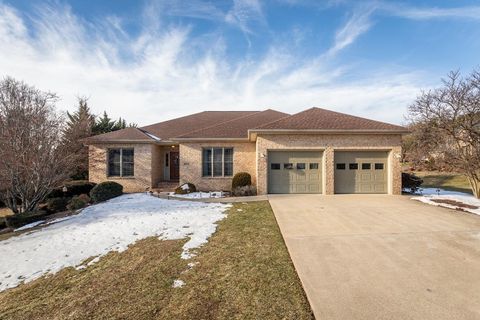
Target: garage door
(294, 172)
(361, 172)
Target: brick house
(313, 151)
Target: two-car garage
(302, 171)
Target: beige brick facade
(142, 166)
(191, 164)
(249, 157)
(328, 144)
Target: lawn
(243, 272)
(447, 181)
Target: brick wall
(191, 164)
(142, 166)
(328, 144)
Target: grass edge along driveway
(244, 271)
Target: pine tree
(79, 126)
(103, 124)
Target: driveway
(382, 257)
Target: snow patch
(99, 229)
(178, 283)
(428, 195)
(199, 195)
(30, 225)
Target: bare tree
(447, 125)
(32, 159)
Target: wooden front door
(174, 165)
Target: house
(313, 151)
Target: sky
(148, 61)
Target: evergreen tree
(103, 124)
(79, 126)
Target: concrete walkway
(382, 257)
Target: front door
(174, 165)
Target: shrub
(185, 188)
(244, 191)
(57, 204)
(241, 179)
(411, 182)
(74, 188)
(105, 191)
(78, 202)
(21, 219)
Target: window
(300, 166)
(378, 166)
(120, 162)
(341, 166)
(217, 162)
(275, 166)
(166, 159)
(366, 166)
(353, 166)
(313, 166)
(288, 166)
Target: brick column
(328, 171)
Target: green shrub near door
(105, 191)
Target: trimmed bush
(185, 188)
(21, 219)
(411, 182)
(244, 191)
(57, 204)
(241, 179)
(105, 191)
(78, 202)
(74, 188)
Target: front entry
(174, 165)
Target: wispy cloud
(359, 23)
(423, 13)
(166, 71)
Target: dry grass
(447, 181)
(244, 272)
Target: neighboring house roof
(238, 125)
(326, 120)
(236, 128)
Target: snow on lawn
(449, 199)
(99, 229)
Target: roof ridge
(350, 115)
(220, 123)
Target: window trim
(212, 162)
(120, 163)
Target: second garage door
(295, 172)
(361, 172)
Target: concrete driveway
(382, 257)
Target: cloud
(167, 71)
(419, 13)
(358, 24)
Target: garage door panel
(361, 171)
(302, 174)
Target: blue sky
(148, 61)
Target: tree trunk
(475, 185)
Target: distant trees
(33, 159)
(82, 124)
(446, 126)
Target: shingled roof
(237, 124)
(322, 119)
(236, 128)
(167, 130)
